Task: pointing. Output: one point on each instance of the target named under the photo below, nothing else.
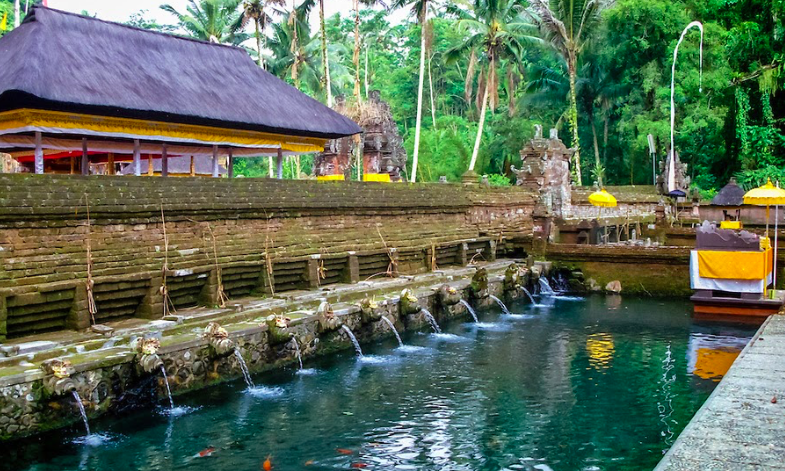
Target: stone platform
(742, 424)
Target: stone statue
(682, 178)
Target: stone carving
(58, 381)
(218, 338)
(147, 354)
(370, 311)
(278, 331)
(326, 318)
(337, 156)
(514, 277)
(479, 284)
(449, 296)
(409, 303)
(682, 178)
(545, 168)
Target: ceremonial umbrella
(768, 195)
(602, 199)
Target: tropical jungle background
(597, 70)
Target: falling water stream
(168, 391)
(78, 401)
(432, 321)
(297, 351)
(244, 368)
(501, 304)
(392, 327)
(353, 339)
(531, 298)
(471, 310)
(545, 287)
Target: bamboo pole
(85, 158)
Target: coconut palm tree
(567, 25)
(497, 35)
(420, 11)
(256, 11)
(211, 20)
(357, 41)
(325, 59)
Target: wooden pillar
(279, 162)
(73, 164)
(39, 153)
(230, 163)
(110, 164)
(85, 158)
(150, 167)
(215, 161)
(192, 168)
(137, 158)
(164, 162)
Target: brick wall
(311, 232)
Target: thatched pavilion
(76, 91)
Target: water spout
(545, 287)
(78, 401)
(501, 304)
(672, 156)
(297, 352)
(531, 298)
(168, 390)
(431, 320)
(244, 368)
(470, 309)
(392, 327)
(353, 339)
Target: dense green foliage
(730, 121)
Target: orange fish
(344, 451)
(309, 463)
(267, 465)
(205, 453)
(359, 465)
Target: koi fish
(309, 462)
(205, 453)
(344, 451)
(267, 465)
(359, 465)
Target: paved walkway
(742, 424)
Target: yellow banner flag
(4, 23)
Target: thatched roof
(730, 195)
(66, 62)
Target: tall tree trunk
(366, 71)
(16, 13)
(270, 168)
(482, 121)
(597, 163)
(605, 141)
(259, 44)
(325, 60)
(419, 92)
(356, 56)
(573, 120)
(297, 167)
(430, 82)
(295, 47)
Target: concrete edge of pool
(742, 424)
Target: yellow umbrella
(602, 199)
(767, 195)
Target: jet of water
(545, 287)
(168, 391)
(78, 401)
(672, 156)
(392, 327)
(244, 368)
(531, 298)
(470, 309)
(353, 339)
(501, 304)
(297, 351)
(432, 321)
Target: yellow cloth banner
(730, 225)
(734, 265)
(330, 178)
(376, 177)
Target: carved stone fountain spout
(58, 380)
(326, 318)
(449, 296)
(278, 331)
(147, 355)
(409, 303)
(218, 338)
(370, 311)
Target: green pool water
(602, 383)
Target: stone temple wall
(310, 233)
